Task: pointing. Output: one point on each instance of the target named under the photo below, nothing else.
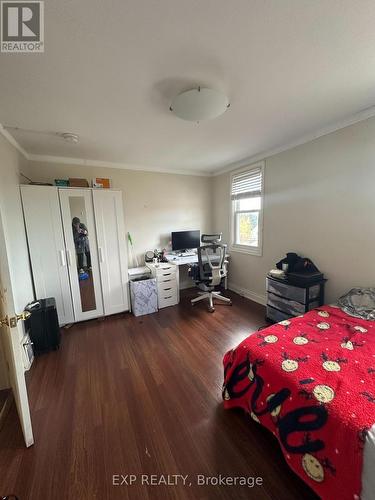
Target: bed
(311, 381)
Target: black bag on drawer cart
(301, 270)
(43, 326)
(297, 264)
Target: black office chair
(210, 270)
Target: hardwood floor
(130, 395)
(6, 399)
(3, 397)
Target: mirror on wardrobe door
(81, 239)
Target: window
(247, 205)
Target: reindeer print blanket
(311, 381)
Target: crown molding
(94, 163)
(351, 120)
(107, 164)
(363, 115)
(13, 141)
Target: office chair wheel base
(211, 309)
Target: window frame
(236, 247)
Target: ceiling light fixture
(199, 104)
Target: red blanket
(311, 381)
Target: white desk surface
(180, 261)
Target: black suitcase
(43, 326)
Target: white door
(10, 336)
(113, 261)
(47, 248)
(81, 249)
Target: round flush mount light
(199, 104)
(69, 137)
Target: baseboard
(187, 284)
(244, 292)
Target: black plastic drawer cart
(286, 300)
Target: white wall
(14, 230)
(320, 203)
(11, 162)
(155, 204)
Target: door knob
(23, 316)
(12, 321)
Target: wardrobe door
(113, 262)
(82, 256)
(47, 247)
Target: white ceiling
(110, 70)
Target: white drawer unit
(166, 278)
(167, 300)
(167, 286)
(167, 272)
(166, 275)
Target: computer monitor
(185, 240)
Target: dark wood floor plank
(130, 395)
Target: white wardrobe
(83, 264)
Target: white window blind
(246, 192)
(247, 184)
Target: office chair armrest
(193, 272)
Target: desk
(186, 261)
(168, 277)
(181, 261)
